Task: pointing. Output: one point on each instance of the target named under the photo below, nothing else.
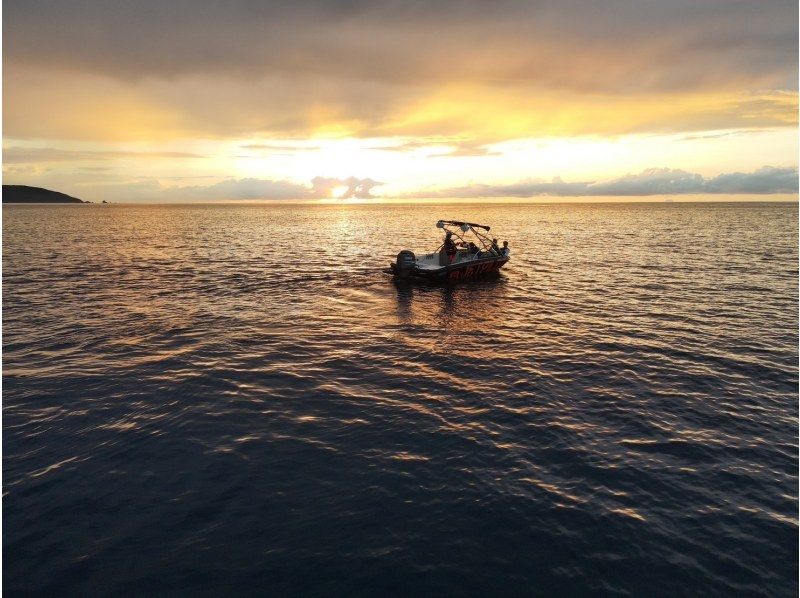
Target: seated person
(448, 252)
(506, 251)
(495, 248)
(472, 248)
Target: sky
(350, 100)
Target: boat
(472, 254)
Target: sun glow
(339, 192)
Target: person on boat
(449, 248)
(472, 248)
(495, 247)
(506, 251)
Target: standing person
(495, 247)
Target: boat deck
(432, 261)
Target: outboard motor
(406, 260)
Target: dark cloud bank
(684, 44)
(231, 67)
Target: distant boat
(455, 260)
(25, 194)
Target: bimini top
(463, 225)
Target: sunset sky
(193, 100)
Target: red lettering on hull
(473, 271)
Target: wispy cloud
(39, 155)
(718, 134)
(279, 148)
(453, 148)
(468, 149)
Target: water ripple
(212, 399)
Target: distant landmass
(25, 194)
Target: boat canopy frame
(460, 229)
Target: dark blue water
(233, 400)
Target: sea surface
(230, 400)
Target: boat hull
(457, 272)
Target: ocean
(235, 400)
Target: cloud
(468, 151)
(356, 188)
(550, 43)
(454, 148)
(39, 155)
(716, 135)
(763, 180)
(666, 181)
(412, 145)
(240, 189)
(252, 189)
(279, 148)
(654, 181)
(487, 70)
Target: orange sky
(205, 101)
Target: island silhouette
(26, 194)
